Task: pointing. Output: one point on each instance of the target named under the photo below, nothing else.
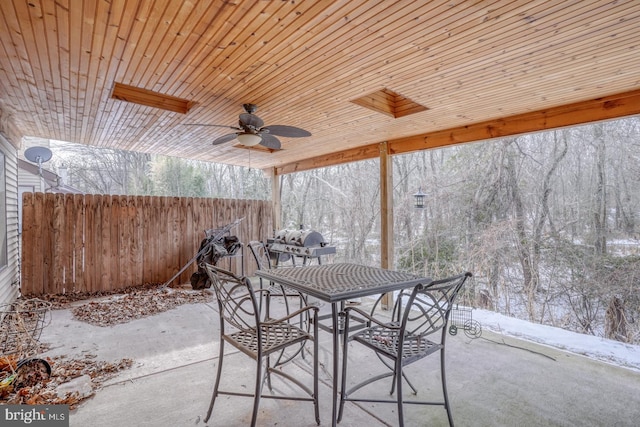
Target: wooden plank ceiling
(434, 73)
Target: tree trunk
(600, 208)
(616, 321)
(523, 248)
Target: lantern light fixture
(419, 198)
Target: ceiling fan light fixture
(249, 139)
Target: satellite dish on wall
(38, 155)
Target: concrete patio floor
(492, 381)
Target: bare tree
(104, 171)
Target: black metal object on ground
(212, 250)
(214, 237)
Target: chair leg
(415, 391)
(261, 296)
(398, 376)
(257, 392)
(217, 383)
(444, 388)
(267, 373)
(343, 381)
(316, 347)
(393, 384)
(301, 323)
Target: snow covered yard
(614, 352)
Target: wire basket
(21, 325)
(462, 317)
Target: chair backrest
(236, 300)
(260, 254)
(425, 308)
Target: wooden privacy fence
(93, 243)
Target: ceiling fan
(251, 131)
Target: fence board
(78, 241)
(104, 279)
(172, 248)
(147, 236)
(28, 226)
(114, 253)
(92, 243)
(58, 242)
(186, 225)
(37, 243)
(136, 261)
(69, 226)
(125, 238)
(163, 226)
(107, 273)
(48, 237)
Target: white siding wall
(9, 275)
(31, 180)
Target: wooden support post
(276, 201)
(386, 214)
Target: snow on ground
(614, 352)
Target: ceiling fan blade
(225, 138)
(270, 141)
(289, 131)
(251, 121)
(217, 126)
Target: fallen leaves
(44, 392)
(134, 305)
(117, 308)
(59, 301)
(31, 372)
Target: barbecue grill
(289, 244)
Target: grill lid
(304, 238)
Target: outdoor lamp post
(419, 199)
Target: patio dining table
(336, 284)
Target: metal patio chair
(263, 261)
(418, 328)
(258, 336)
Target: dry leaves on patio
(63, 370)
(134, 305)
